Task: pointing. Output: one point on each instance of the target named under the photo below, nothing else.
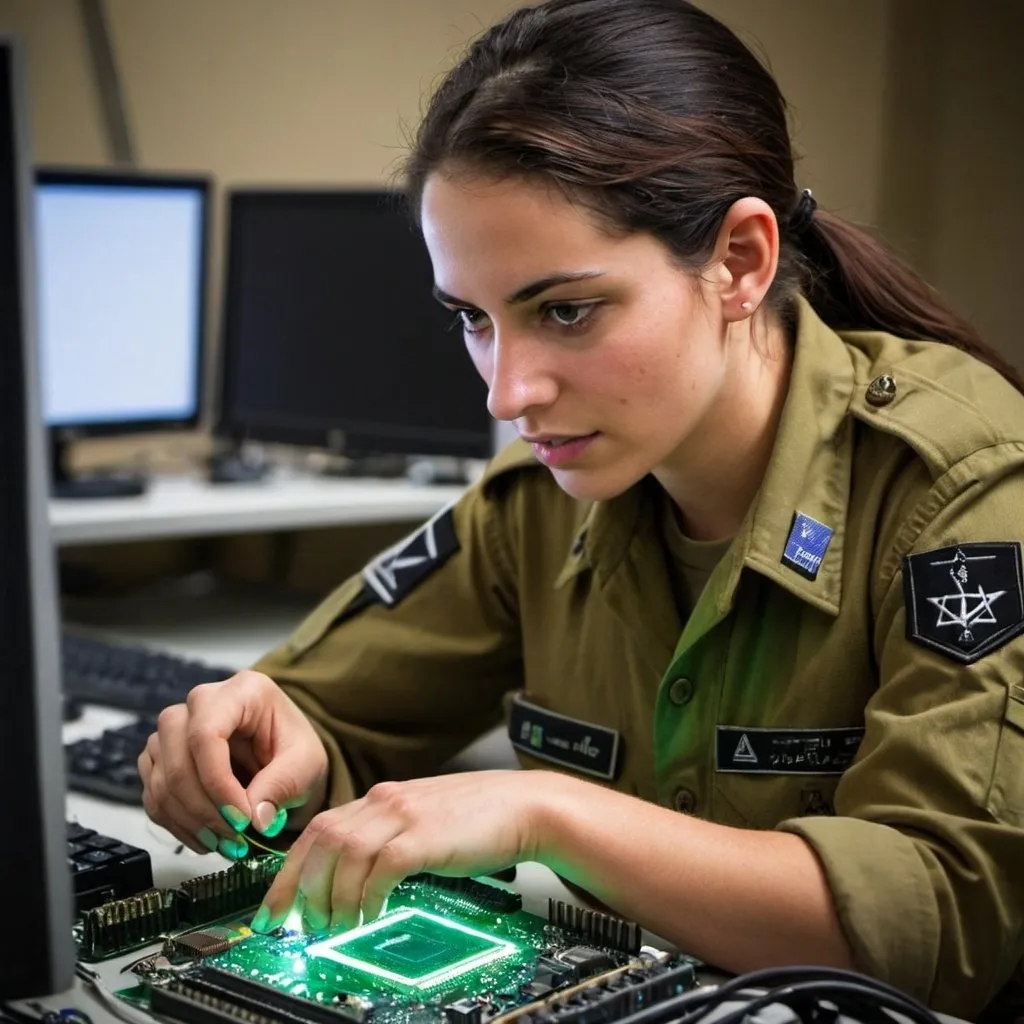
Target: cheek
(481, 357)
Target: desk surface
(187, 506)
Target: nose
(520, 378)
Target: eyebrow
(527, 292)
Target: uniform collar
(809, 472)
(809, 469)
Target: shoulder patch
(401, 569)
(965, 601)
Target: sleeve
(406, 663)
(925, 858)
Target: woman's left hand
(350, 858)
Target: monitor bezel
(346, 437)
(48, 897)
(203, 183)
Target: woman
(759, 561)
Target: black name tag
(785, 751)
(582, 746)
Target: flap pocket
(1006, 793)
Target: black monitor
(38, 955)
(121, 277)
(332, 337)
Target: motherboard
(445, 951)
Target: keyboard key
(105, 868)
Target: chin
(595, 484)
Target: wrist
(555, 797)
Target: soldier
(748, 592)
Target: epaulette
(940, 400)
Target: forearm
(736, 898)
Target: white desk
(187, 506)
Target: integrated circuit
(413, 948)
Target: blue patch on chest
(808, 541)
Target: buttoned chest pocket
(762, 800)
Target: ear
(746, 257)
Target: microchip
(207, 941)
(413, 948)
(586, 961)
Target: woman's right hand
(188, 766)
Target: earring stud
(746, 306)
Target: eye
(570, 314)
(472, 321)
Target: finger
(285, 783)
(157, 815)
(406, 854)
(216, 712)
(145, 767)
(358, 852)
(192, 806)
(192, 831)
(282, 894)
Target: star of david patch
(965, 601)
(401, 569)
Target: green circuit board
(446, 951)
(429, 945)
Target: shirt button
(685, 800)
(882, 390)
(680, 692)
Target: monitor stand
(65, 484)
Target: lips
(560, 450)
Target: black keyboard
(132, 678)
(104, 868)
(106, 765)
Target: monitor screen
(39, 956)
(121, 263)
(332, 336)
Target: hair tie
(801, 217)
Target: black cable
(847, 995)
(796, 983)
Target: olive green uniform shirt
(919, 824)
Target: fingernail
(269, 820)
(233, 849)
(261, 920)
(234, 817)
(208, 839)
(314, 920)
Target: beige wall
(953, 163)
(902, 107)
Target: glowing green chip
(413, 948)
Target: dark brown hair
(655, 116)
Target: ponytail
(856, 282)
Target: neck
(714, 476)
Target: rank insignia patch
(402, 568)
(806, 546)
(965, 601)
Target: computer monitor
(121, 277)
(38, 955)
(331, 335)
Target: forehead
(484, 233)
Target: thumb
(291, 780)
